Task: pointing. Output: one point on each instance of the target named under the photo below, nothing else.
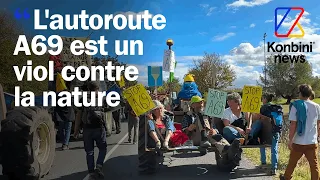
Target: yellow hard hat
(196, 99)
(189, 78)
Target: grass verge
(302, 171)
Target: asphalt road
(122, 163)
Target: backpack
(241, 122)
(94, 117)
(276, 114)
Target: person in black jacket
(64, 116)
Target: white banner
(169, 61)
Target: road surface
(122, 162)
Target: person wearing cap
(195, 124)
(160, 126)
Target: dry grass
(302, 171)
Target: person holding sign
(234, 120)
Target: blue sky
(232, 28)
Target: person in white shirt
(304, 119)
(234, 120)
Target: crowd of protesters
(304, 117)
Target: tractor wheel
(147, 159)
(28, 141)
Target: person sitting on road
(234, 120)
(159, 125)
(195, 124)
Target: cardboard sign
(169, 61)
(216, 103)
(69, 59)
(251, 99)
(139, 99)
(155, 76)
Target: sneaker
(98, 172)
(205, 144)
(273, 172)
(64, 147)
(166, 145)
(158, 145)
(118, 132)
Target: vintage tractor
(27, 140)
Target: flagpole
(169, 44)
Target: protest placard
(251, 99)
(68, 58)
(139, 99)
(216, 102)
(169, 61)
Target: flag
(171, 77)
(60, 83)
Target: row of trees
(282, 79)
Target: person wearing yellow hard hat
(188, 89)
(198, 127)
(195, 124)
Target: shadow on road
(74, 176)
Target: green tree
(175, 86)
(212, 72)
(283, 79)
(9, 33)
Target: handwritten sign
(216, 103)
(169, 61)
(139, 99)
(70, 59)
(251, 99)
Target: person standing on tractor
(94, 131)
(189, 89)
(304, 117)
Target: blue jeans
(90, 136)
(274, 152)
(230, 133)
(255, 128)
(65, 131)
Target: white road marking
(111, 151)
